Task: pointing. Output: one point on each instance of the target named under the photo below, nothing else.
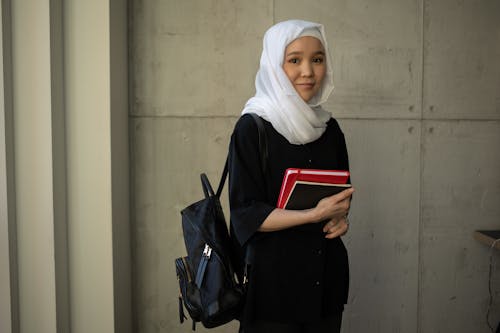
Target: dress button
(319, 252)
(317, 283)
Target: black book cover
(306, 195)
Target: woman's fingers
(347, 193)
(340, 197)
(336, 228)
(333, 207)
(330, 225)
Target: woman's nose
(306, 69)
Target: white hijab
(276, 100)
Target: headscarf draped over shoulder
(276, 100)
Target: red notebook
(295, 176)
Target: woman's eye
(294, 61)
(318, 60)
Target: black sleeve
(343, 156)
(247, 185)
(346, 159)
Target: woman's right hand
(333, 207)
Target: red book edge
(311, 175)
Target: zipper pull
(207, 252)
(245, 275)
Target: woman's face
(305, 65)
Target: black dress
(297, 275)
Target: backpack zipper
(205, 257)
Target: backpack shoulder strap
(264, 154)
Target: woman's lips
(306, 85)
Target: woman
(298, 273)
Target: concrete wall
(418, 97)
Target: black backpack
(211, 281)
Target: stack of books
(304, 188)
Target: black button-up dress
(297, 275)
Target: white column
(39, 159)
(120, 174)
(97, 142)
(9, 307)
(64, 198)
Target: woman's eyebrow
(294, 53)
(320, 52)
